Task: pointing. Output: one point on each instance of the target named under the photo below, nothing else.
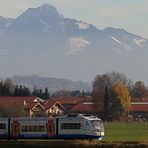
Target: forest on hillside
(7, 88)
(137, 90)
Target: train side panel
(70, 128)
(4, 128)
(42, 127)
(80, 127)
(65, 127)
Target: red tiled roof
(87, 107)
(68, 100)
(5, 101)
(50, 103)
(19, 98)
(31, 105)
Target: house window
(2, 126)
(70, 126)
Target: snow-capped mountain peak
(42, 41)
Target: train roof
(86, 116)
(89, 117)
(71, 115)
(31, 118)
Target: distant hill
(53, 84)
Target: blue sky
(132, 15)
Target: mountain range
(42, 41)
(53, 84)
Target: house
(34, 106)
(35, 109)
(30, 106)
(53, 108)
(68, 103)
(20, 106)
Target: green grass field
(126, 131)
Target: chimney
(25, 102)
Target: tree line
(114, 90)
(7, 88)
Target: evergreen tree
(106, 103)
(16, 91)
(5, 90)
(20, 90)
(46, 94)
(1, 85)
(35, 92)
(40, 93)
(26, 91)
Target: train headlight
(102, 133)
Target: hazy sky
(131, 15)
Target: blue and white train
(71, 126)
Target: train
(70, 126)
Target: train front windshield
(97, 125)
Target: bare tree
(108, 80)
(139, 90)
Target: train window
(33, 128)
(72, 115)
(2, 125)
(86, 125)
(42, 128)
(70, 126)
(23, 128)
(97, 124)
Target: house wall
(54, 110)
(138, 114)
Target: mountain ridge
(44, 42)
(53, 84)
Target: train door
(15, 129)
(51, 128)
